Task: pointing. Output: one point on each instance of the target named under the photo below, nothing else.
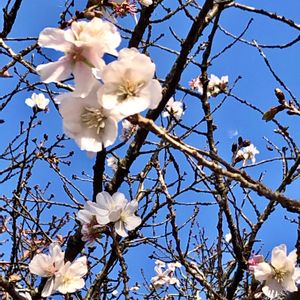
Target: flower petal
(54, 38)
(55, 71)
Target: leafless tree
(191, 185)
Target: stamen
(92, 117)
(129, 89)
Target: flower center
(67, 280)
(129, 89)
(92, 117)
(279, 275)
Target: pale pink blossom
(129, 87)
(165, 276)
(174, 108)
(116, 209)
(247, 153)
(87, 122)
(47, 265)
(89, 225)
(69, 277)
(84, 44)
(38, 100)
(146, 2)
(112, 162)
(215, 85)
(280, 274)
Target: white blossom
(47, 266)
(215, 85)
(128, 130)
(38, 100)
(129, 87)
(174, 108)
(247, 153)
(228, 237)
(25, 295)
(166, 276)
(112, 162)
(84, 44)
(280, 274)
(146, 2)
(116, 209)
(69, 277)
(89, 225)
(87, 122)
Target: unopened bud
(280, 95)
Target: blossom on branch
(84, 44)
(118, 211)
(215, 85)
(165, 277)
(69, 277)
(174, 108)
(38, 100)
(113, 209)
(129, 87)
(47, 265)
(146, 2)
(280, 274)
(247, 153)
(87, 122)
(63, 277)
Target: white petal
(262, 271)
(120, 229)
(79, 267)
(30, 102)
(293, 256)
(40, 265)
(289, 284)
(132, 222)
(55, 71)
(48, 288)
(54, 38)
(119, 199)
(272, 288)
(84, 79)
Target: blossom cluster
(104, 94)
(247, 153)
(166, 276)
(279, 275)
(215, 85)
(173, 108)
(65, 277)
(108, 209)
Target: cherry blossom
(38, 100)
(280, 274)
(215, 85)
(84, 44)
(116, 209)
(174, 108)
(129, 87)
(90, 227)
(146, 2)
(228, 237)
(112, 162)
(165, 276)
(247, 153)
(69, 277)
(87, 122)
(47, 266)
